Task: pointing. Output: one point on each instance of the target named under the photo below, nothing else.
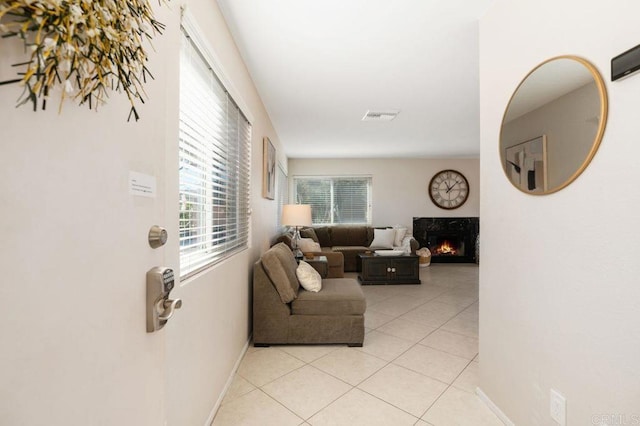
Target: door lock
(160, 308)
(157, 236)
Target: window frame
(238, 188)
(333, 178)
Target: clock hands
(449, 188)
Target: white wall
(559, 291)
(400, 186)
(208, 335)
(74, 253)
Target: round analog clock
(448, 189)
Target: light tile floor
(418, 365)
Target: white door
(74, 254)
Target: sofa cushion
(281, 271)
(369, 236)
(289, 262)
(354, 250)
(349, 235)
(309, 233)
(350, 254)
(324, 238)
(339, 296)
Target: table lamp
(296, 215)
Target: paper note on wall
(142, 185)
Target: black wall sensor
(625, 63)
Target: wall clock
(448, 189)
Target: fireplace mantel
(459, 232)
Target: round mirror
(553, 125)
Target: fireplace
(450, 239)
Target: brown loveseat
(284, 312)
(350, 240)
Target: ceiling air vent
(380, 115)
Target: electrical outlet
(558, 407)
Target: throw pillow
(309, 278)
(383, 238)
(308, 245)
(309, 233)
(400, 233)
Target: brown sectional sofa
(285, 313)
(348, 240)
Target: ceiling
(319, 66)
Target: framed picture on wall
(268, 169)
(527, 164)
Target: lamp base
(295, 243)
(297, 253)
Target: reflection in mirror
(553, 125)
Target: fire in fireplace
(447, 248)
(449, 239)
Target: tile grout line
(280, 403)
(386, 362)
(388, 403)
(449, 386)
(304, 420)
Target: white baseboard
(214, 410)
(493, 407)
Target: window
(335, 200)
(214, 154)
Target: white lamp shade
(296, 215)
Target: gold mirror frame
(541, 138)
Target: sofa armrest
(335, 266)
(414, 244)
(270, 315)
(284, 238)
(335, 263)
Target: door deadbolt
(157, 236)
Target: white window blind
(214, 170)
(335, 199)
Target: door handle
(166, 308)
(160, 307)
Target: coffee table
(399, 269)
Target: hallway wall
(559, 297)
